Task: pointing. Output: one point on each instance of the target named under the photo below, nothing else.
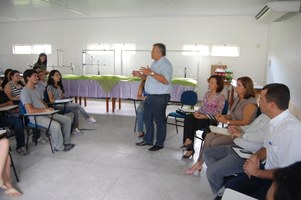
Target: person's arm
(248, 111)
(140, 91)
(236, 131)
(138, 74)
(8, 92)
(50, 97)
(8, 103)
(252, 166)
(30, 109)
(158, 77)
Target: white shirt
(255, 133)
(283, 141)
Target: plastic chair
(34, 125)
(188, 98)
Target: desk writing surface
(234, 195)
(42, 113)
(7, 108)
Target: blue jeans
(139, 115)
(221, 161)
(17, 124)
(255, 187)
(155, 110)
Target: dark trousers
(17, 124)
(191, 124)
(255, 187)
(155, 110)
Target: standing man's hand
(146, 70)
(136, 73)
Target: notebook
(242, 152)
(219, 130)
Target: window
(195, 49)
(32, 49)
(21, 49)
(104, 48)
(225, 50)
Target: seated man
(7, 119)
(222, 161)
(61, 125)
(281, 144)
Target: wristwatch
(152, 73)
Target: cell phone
(245, 151)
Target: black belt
(158, 94)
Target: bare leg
(5, 181)
(4, 147)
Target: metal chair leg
(13, 166)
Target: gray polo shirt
(31, 96)
(164, 68)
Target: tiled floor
(107, 165)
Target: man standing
(158, 87)
(61, 125)
(281, 145)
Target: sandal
(2, 185)
(12, 192)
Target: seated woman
(14, 86)
(141, 95)
(243, 112)
(212, 104)
(5, 181)
(55, 91)
(6, 78)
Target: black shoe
(188, 146)
(155, 148)
(185, 156)
(142, 144)
(68, 147)
(218, 198)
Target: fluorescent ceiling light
(9, 18)
(77, 11)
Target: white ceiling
(31, 10)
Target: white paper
(63, 100)
(239, 152)
(219, 130)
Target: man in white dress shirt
(281, 145)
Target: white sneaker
(76, 131)
(91, 120)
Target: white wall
(284, 55)
(72, 37)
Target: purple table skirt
(123, 90)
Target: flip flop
(2, 185)
(12, 192)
